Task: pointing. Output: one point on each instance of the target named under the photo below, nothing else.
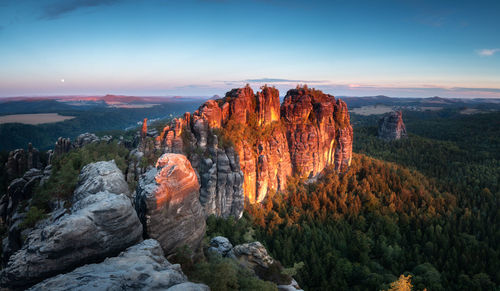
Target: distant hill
(92, 114)
(353, 102)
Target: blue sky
(200, 48)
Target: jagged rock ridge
(249, 141)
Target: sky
(400, 48)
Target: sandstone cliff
(391, 126)
(248, 140)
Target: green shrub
(237, 231)
(33, 215)
(226, 274)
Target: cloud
(487, 52)
(62, 7)
(277, 80)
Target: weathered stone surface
(253, 254)
(168, 204)
(99, 225)
(98, 177)
(219, 171)
(318, 131)
(16, 164)
(19, 189)
(20, 160)
(293, 286)
(308, 132)
(33, 159)
(85, 139)
(62, 146)
(391, 126)
(140, 267)
(220, 245)
(135, 168)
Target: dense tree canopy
(432, 212)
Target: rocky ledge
(140, 267)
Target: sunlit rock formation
(306, 133)
(168, 204)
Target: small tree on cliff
(401, 284)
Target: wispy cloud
(487, 52)
(62, 7)
(278, 80)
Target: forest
(88, 119)
(423, 209)
(426, 206)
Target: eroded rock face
(253, 254)
(140, 267)
(20, 160)
(308, 132)
(168, 204)
(391, 126)
(318, 131)
(64, 145)
(85, 139)
(220, 245)
(217, 166)
(99, 177)
(99, 226)
(19, 189)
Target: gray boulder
(100, 177)
(253, 254)
(220, 245)
(140, 267)
(99, 226)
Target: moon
(62, 80)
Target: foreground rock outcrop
(247, 139)
(168, 204)
(97, 226)
(254, 256)
(98, 177)
(391, 126)
(140, 267)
